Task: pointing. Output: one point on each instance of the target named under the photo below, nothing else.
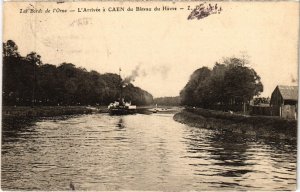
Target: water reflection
(140, 152)
(231, 151)
(120, 123)
(240, 161)
(12, 128)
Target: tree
(216, 84)
(27, 81)
(261, 100)
(241, 83)
(47, 84)
(193, 93)
(35, 60)
(10, 49)
(228, 85)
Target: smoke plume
(134, 74)
(161, 70)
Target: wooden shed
(284, 101)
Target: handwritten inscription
(81, 22)
(201, 11)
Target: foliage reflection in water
(140, 152)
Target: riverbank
(259, 126)
(9, 112)
(25, 112)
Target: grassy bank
(44, 111)
(11, 112)
(264, 126)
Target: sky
(164, 46)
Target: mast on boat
(121, 87)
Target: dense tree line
(261, 100)
(230, 85)
(167, 101)
(27, 81)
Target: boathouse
(284, 101)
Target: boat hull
(121, 111)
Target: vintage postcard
(149, 95)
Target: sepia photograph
(149, 95)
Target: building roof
(288, 92)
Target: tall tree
(35, 60)
(230, 83)
(241, 83)
(10, 49)
(193, 92)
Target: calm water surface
(140, 152)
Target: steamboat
(121, 107)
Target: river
(140, 152)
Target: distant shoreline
(45, 111)
(258, 126)
(28, 112)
